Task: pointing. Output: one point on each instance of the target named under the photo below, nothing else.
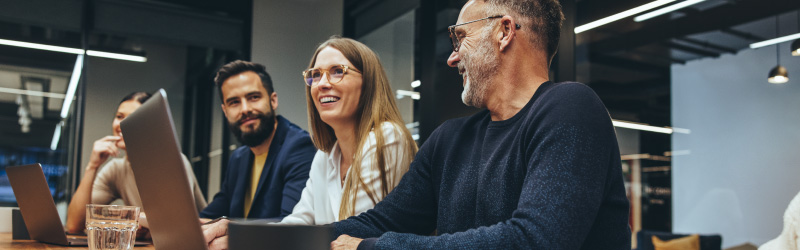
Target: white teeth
(328, 99)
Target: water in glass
(111, 227)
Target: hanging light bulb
(796, 44)
(778, 75)
(796, 47)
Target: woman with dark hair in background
(115, 179)
(364, 146)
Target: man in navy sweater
(538, 169)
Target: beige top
(115, 181)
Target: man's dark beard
(259, 134)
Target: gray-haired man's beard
(480, 65)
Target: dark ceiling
(45, 29)
(628, 63)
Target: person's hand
(143, 232)
(102, 149)
(345, 242)
(216, 235)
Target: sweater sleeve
(564, 183)
(410, 207)
(104, 187)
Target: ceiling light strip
(75, 51)
(73, 86)
(774, 41)
(642, 127)
(621, 15)
(116, 56)
(56, 137)
(667, 9)
(32, 93)
(41, 46)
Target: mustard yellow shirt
(255, 176)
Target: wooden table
(6, 243)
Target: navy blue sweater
(547, 178)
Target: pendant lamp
(796, 47)
(779, 74)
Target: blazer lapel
(274, 151)
(237, 201)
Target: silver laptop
(37, 206)
(155, 157)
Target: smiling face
(337, 102)
(249, 108)
(124, 110)
(477, 59)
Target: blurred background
(707, 131)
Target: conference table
(6, 243)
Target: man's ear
(274, 100)
(224, 110)
(509, 31)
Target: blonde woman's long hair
(376, 106)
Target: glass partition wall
(91, 55)
(39, 104)
(699, 124)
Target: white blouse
(322, 196)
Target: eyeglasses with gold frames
(456, 40)
(335, 74)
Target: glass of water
(111, 226)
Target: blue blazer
(282, 180)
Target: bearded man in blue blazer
(266, 176)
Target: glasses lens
(306, 78)
(453, 38)
(336, 73)
(312, 76)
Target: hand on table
(345, 242)
(143, 233)
(216, 235)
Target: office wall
(285, 35)
(108, 80)
(737, 170)
(394, 44)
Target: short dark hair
(139, 97)
(543, 17)
(238, 67)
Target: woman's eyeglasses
(335, 74)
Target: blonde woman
(364, 146)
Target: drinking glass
(111, 226)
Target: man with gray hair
(538, 169)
